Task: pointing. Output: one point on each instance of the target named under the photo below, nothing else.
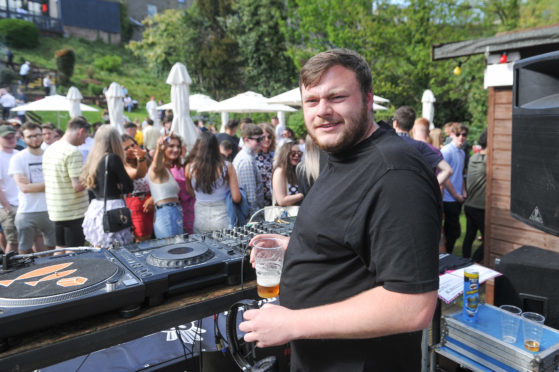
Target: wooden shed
(503, 233)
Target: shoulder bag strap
(105, 183)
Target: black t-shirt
(430, 157)
(371, 219)
(118, 181)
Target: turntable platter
(59, 280)
(180, 255)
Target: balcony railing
(44, 23)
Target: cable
(82, 363)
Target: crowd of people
(170, 189)
(67, 180)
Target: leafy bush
(19, 33)
(7, 76)
(108, 63)
(94, 89)
(296, 122)
(65, 61)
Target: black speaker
(530, 281)
(535, 142)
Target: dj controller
(40, 292)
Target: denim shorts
(168, 220)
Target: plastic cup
(510, 322)
(268, 261)
(532, 325)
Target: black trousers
(451, 225)
(475, 218)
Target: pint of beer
(268, 259)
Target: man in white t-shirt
(8, 187)
(26, 167)
(151, 108)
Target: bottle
(471, 294)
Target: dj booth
(56, 308)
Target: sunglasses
(462, 135)
(296, 153)
(38, 135)
(257, 139)
(267, 137)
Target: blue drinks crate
(479, 346)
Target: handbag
(115, 219)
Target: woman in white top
(165, 189)
(284, 180)
(208, 177)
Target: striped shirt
(249, 178)
(62, 162)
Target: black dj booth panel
(535, 142)
(530, 281)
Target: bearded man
(360, 276)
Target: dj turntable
(181, 263)
(51, 290)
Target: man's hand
(283, 239)
(269, 326)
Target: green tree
(197, 39)
(539, 13)
(396, 40)
(267, 68)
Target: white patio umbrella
(197, 101)
(428, 107)
(380, 99)
(52, 103)
(180, 88)
(245, 103)
(74, 96)
(293, 98)
(116, 106)
(377, 107)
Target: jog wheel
(180, 255)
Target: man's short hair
(168, 118)
(232, 124)
(246, 120)
(29, 125)
(78, 123)
(405, 116)
(423, 122)
(149, 121)
(48, 125)
(250, 130)
(457, 128)
(130, 125)
(226, 145)
(483, 139)
(316, 67)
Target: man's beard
(354, 130)
(34, 147)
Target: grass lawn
(458, 246)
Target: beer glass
(268, 260)
(532, 325)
